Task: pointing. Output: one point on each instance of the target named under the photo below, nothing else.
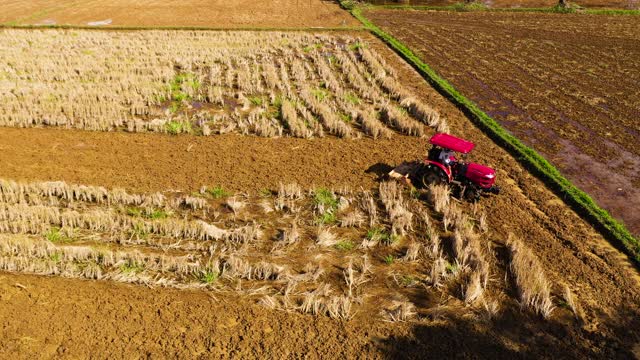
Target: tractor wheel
(433, 176)
(470, 193)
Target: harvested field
(173, 13)
(552, 80)
(355, 257)
(526, 215)
(244, 246)
(320, 252)
(263, 83)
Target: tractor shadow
(515, 334)
(381, 170)
(407, 168)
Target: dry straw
(251, 244)
(533, 287)
(264, 83)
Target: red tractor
(468, 180)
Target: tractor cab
(442, 152)
(445, 144)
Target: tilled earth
(566, 85)
(607, 4)
(63, 317)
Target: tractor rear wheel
(434, 176)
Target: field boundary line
(551, 10)
(581, 202)
(178, 28)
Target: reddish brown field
(593, 4)
(566, 85)
(198, 13)
(96, 318)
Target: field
(285, 248)
(173, 13)
(187, 194)
(552, 82)
(505, 4)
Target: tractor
(467, 180)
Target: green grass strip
(582, 203)
(610, 12)
(461, 7)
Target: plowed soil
(566, 85)
(608, 4)
(78, 318)
(63, 318)
(150, 163)
(198, 13)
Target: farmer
(446, 158)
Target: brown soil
(607, 4)
(146, 162)
(554, 81)
(96, 318)
(14, 10)
(199, 13)
(64, 318)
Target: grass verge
(582, 203)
